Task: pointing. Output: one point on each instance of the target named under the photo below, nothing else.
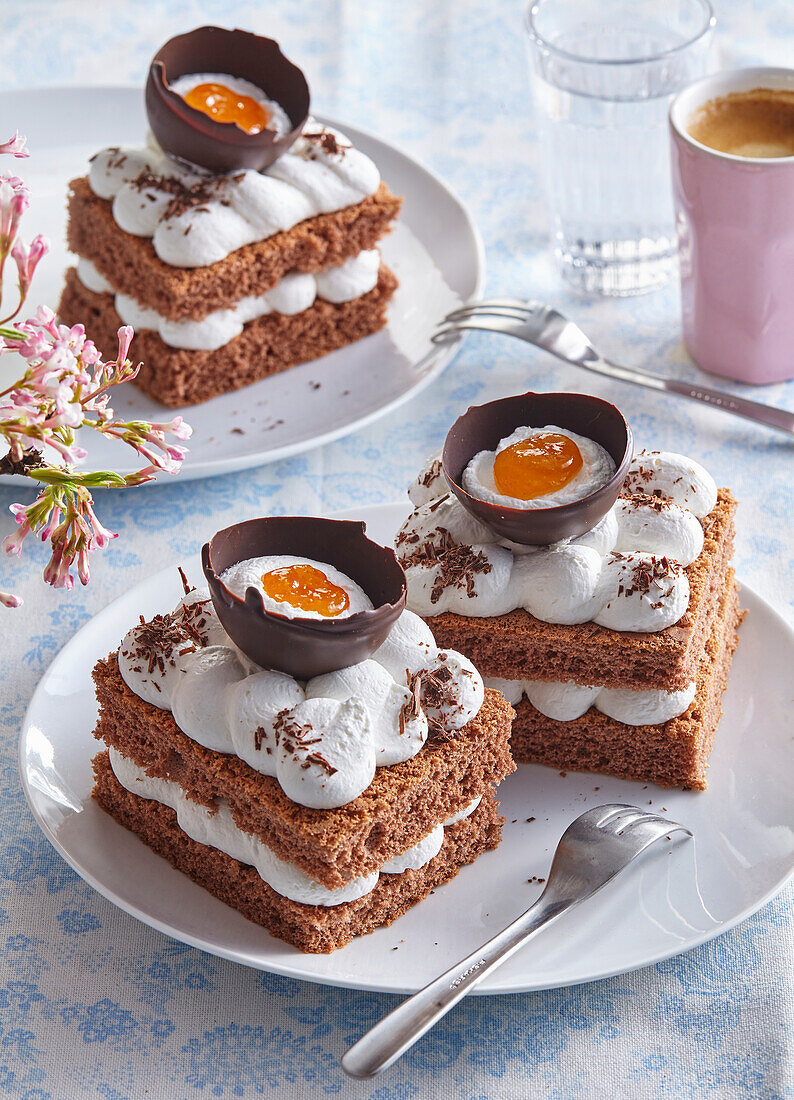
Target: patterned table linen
(95, 1004)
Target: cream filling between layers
(293, 294)
(564, 701)
(217, 829)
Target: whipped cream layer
(278, 122)
(627, 573)
(195, 220)
(249, 574)
(321, 740)
(596, 470)
(217, 829)
(291, 295)
(564, 700)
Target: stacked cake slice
(229, 278)
(320, 810)
(613, 647)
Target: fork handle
(389, 1039)
(780, 419)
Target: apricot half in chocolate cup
(191, 135)
(305, 647)
(483, 426)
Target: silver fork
(592, 850)
(547, 328)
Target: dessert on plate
(242, 239)
(294, 740)
(593, 587)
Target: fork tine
(636, 816)
(511, 312)
(482, 324)
(513, 305)
(610, 811)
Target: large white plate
(742, 853)
(435, 251)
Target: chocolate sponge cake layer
(311, 928)
(518, 646)
(268, 345)
(672, 754)
(132, 266)
(401, 805)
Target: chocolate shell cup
(299, 646)
(483, 426)
(194, 137)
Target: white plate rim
(441, 356)
(749, 595)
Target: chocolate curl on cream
(305, 648)
(190, 135)
(483, 426)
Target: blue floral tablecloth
(94, 1004)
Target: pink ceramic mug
(735, 220)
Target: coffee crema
(758, 123)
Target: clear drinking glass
(604, 74)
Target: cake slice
(241, 240)
(332, 846)
(322, 805)
(614, 647)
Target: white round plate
(435, 250)
(679, 896)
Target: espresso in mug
(756, 123)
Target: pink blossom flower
(125, 335)
(56, 572)
(16, 145)
(12, 544)
(65, 388)
(8, 599)
(27, 259)
(13, 204)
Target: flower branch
(64, 390)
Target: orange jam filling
(224, 105)
(536, 466)
(306, 588)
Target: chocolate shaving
(647, 575)
(650, 500)
(293, 738)
(431, 689)
(318, 758)
(192, 619)
(328, 143)
(413, 707)
(187, 587)
(458, 565)
(154, 639)
(431, 473)
(183, 197)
